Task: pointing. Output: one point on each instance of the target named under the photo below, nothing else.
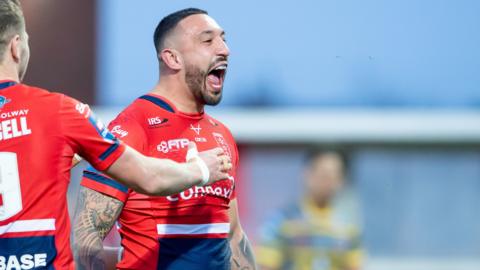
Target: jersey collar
(165, 104)
(6, 84)
(159, 102)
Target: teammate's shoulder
(35, 91)
(44, 98)
(38, 92)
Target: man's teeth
(223, 67)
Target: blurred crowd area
(415, 195)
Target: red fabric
(49, 129)
(157, 132)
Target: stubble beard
(196, 82)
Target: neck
(178, 93)
(8, 74)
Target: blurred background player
(198, 228)
(39, 134)
(322, 230)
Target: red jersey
(39, 134)
(169, 232)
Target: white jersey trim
(31, 225)
(210, 228)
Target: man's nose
(223, 49)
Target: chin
(211, 98)
(213, 101)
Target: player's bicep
(95, 215)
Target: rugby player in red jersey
(40, 132)
(198, 228)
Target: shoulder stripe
(105, 180)
(110, 150)
(162, 104)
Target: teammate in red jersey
(198, 228)
(39, 134)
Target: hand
(217, 163)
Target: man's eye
(207, 41)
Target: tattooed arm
(94, 218)
(242, 253)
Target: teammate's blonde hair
(12, 22)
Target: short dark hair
(11, 21)
(316, 151)
(169, 22)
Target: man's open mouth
(216, 76)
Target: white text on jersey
(201, 191)
(26, 261)
(6, 115)
(11, 128)
(172, 145)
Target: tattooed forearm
(95, 216)
(242, 254)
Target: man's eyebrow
(211, 32)
(206, 32)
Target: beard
(196, 81)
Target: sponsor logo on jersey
(3, 101)
(222, 143)
(83, 109)
(195, 192)
(25, 261)
(119, 131)
(13, 128)
(172, 145)
(197, 129)
(154, 122)
(13, 114)
(200, 139)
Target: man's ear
(15, 48)
(172, 59)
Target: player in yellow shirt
(322, 230)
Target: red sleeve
(131, 133)
(88, 136)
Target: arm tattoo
(242, 255)
(95, 216)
